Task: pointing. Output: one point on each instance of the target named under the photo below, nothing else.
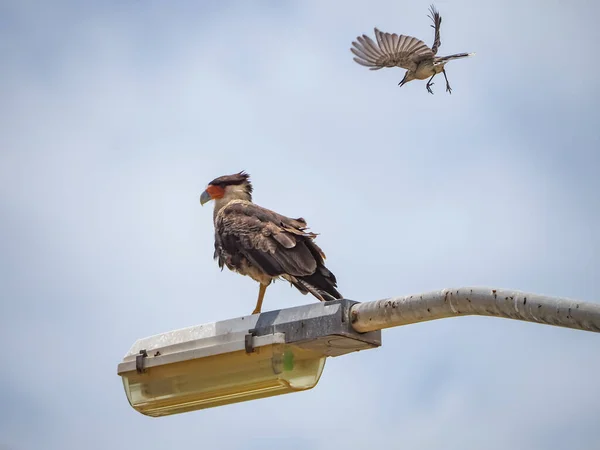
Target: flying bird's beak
(205, 197)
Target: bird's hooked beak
(212, 192)
(205, 198)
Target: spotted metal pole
(468, 301)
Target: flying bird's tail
(444, 59)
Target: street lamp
(279, 352)
(241, 359)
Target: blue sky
(115, 115)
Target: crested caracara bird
(407, 52)
(264, 245)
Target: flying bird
(406, 52)
(257, 242)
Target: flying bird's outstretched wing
(437, 21)
(391, 50)
(276, 245)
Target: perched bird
(264, 245)
(407, 52)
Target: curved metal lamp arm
(466, 301)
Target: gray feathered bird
(412, 54)
(257, 242)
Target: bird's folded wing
(391, 50)
(273, 243)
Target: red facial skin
(215, 191)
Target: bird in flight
(406, 52)
(257, 242)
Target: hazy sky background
(113, 117)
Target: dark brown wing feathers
(275, 244)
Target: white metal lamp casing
(240, 359)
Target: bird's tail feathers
(321, 285)
(455, 56)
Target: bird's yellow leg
(261, 295)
